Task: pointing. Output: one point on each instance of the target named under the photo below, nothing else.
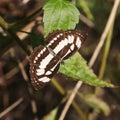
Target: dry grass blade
(105, 32)
(70, 100)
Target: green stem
(106, 52)
(58, 86)
(79, 111)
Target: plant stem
(82, 115)
(58, 86)
(106, 52)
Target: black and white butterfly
(45, 60)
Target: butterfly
(45, 60)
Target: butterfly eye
(45, 61)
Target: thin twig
(105, 32)
(7, 110)
(70, 100)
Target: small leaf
(98, 104)
(76, 68)
(59, 14)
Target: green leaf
(76, 68)
(59, 14)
